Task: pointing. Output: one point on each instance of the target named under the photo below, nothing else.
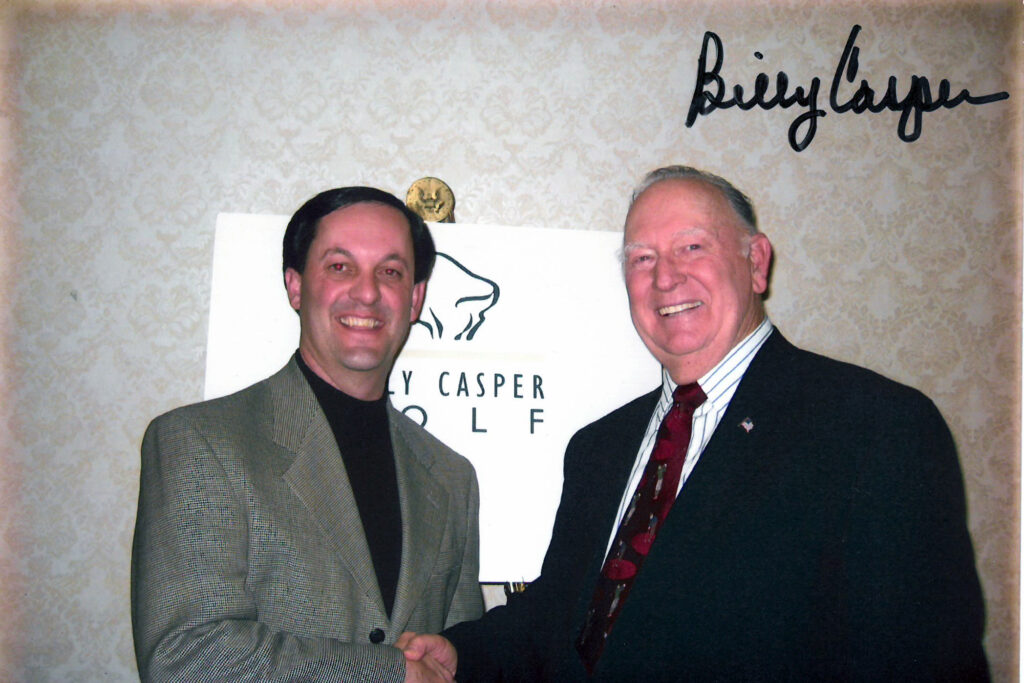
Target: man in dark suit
(817, 527)
(293, 530)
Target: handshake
(428, 658)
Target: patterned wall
(126, 128)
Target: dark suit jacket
(827, 543)
(250, 561)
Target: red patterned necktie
(640, 524)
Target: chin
(361, 360)
(682, 345)
(368, 366)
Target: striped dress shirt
(719, 384)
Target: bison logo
(457, 300)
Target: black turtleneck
(364, 439)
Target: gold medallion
(432, 200)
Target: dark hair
(302, 227)
(740, 202)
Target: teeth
(670, 310)
(352, 321)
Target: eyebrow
(330, 251)
(676, 235)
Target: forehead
(364, 225)
(675, 206)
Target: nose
(365, 289)
(667, 274)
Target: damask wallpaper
(126, 127)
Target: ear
(760, 258)
(419, 292)
(293, 285)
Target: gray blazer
(250, 562)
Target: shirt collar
(720, 382)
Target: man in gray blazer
(293, 530)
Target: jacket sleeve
(467, 603)
(519, 641)
(916, 610)
(193, 615)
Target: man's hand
(427, 655)
(427, 670)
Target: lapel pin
(747, 424)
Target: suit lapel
(317, 475)
(736, 458)
(424, 513)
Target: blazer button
(376, 636)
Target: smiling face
(356, 297)
(694, 275)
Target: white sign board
(525, 337)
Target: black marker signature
(710, 93)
